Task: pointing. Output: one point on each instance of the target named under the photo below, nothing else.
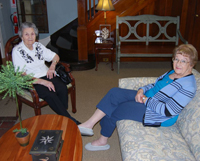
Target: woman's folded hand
(139, 96)
(46, 83)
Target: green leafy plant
(12, 82)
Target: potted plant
(12, 82)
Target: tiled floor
(6, 123)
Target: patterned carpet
(6, 123)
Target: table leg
(96, 56)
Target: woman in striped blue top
(157, 104)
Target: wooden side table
(72, 145)
(105, 45)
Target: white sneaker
(86, 131)
(91, 147)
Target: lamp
(105, 5)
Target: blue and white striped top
(170, 100)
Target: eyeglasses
(183, 62)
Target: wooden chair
(30, 96)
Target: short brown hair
(187, 50)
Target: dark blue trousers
(119, 104)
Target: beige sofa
(180, 142)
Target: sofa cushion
(189, 121)
(149, 143)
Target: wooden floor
(6, 123)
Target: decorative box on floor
(47, 145)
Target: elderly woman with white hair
(31, 56)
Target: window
(33, 11)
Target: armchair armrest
(34, 95)
(135, 82)
(67, 69)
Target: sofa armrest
(135, 82)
